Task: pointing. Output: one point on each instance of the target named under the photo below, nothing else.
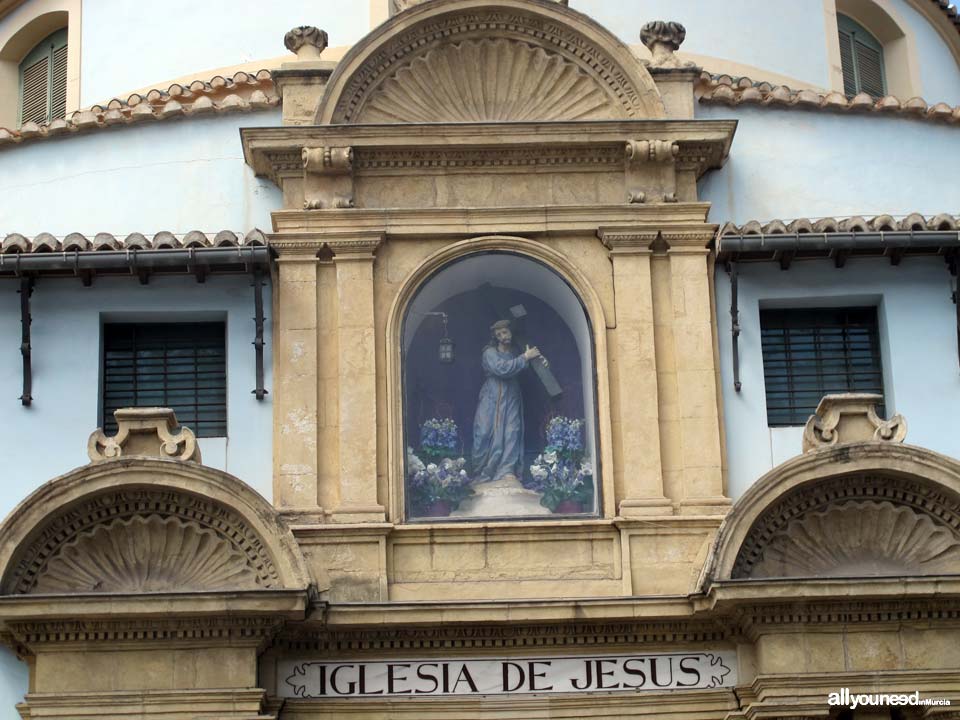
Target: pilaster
(697, 402)
(295, 406)
(638, 475)
(353, 257)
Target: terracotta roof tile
(727, 90)
(881, 223)
(242, 92)
(77, 242)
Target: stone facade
(149, 585)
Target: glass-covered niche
(499, 413)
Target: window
(810, 353)
(861, 58)
(43, 80)
(490, 429)
(176, 365)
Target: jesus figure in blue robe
(498, 423)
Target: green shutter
(43, 80)
(861, 58)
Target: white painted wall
(785, 37)
(939, 72)
(14, 683)
(918, 337)
(786, 164)
(176, 175)
(49, 438)
(130, 45)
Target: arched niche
(469, 286)
(483, 61)
(141, 525)
(859, 510)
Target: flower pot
(568, 507)
(438, 508)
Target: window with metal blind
(810, 353)
(861, 59)
(43, 81)
(177, 365)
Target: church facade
(543, 424)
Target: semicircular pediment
(145, 525)
(472, 61)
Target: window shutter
(810, 353)
(58, 84)
(846, 63)
(869, 69)
(43, 80)
(861, 59)
(34, 85)
(176, 365)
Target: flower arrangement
(560, 473)
(439, 438)
(436, 487)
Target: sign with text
(516, 676)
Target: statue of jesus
(498, 423)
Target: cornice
(458, 223)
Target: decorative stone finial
(663, 39)
(848, 418)
(144, 432)
(306, 41)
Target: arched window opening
(861, 58)
(43, 80)
(499, 414)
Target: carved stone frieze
(487, 80)
(531, 51)
(658, 151)
(861, 524)
(306, 42)
(144, 432)
(133, 540)
(848, 418)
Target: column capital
(295, 250)
(690, 239)
(354, 246)
(628, 240)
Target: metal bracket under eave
(26, 290)
(258, 343)
(734, 322)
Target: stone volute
(144, 432)
(849, 418)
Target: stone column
(353, 257)
(295, 378)
(698, 407)
(636, 424)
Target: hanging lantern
(446, 350)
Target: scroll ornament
(851, 417)
(150, 432)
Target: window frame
(875, 355)
(197, 426)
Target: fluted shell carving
(861, 538)
(147, 554)
(487, 81)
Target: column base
(718, 505)
(642, 507)
(304, 515)
(359, 514)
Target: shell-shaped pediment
(506, 61)
(487, 81)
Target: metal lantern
(446, 350)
